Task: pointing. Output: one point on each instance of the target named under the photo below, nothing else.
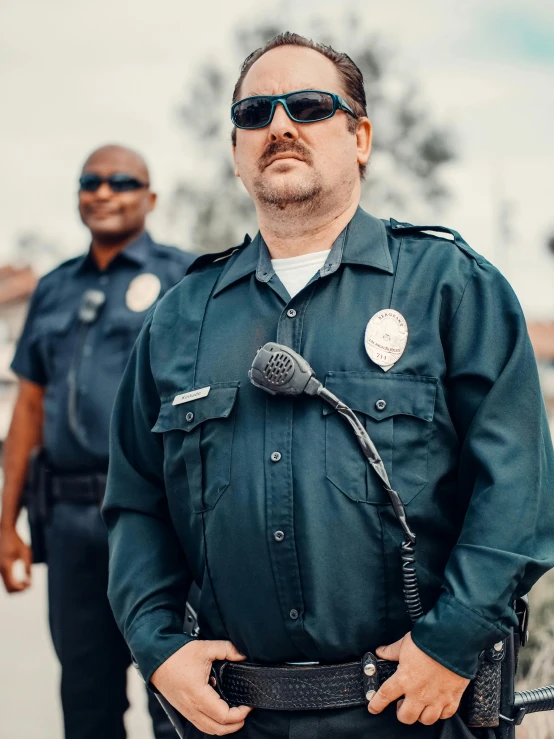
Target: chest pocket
(397, 411)
(198, 444)
(50, 336)
(121, 329)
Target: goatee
(282, 196)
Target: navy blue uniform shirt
(54, 342)
(268, 503)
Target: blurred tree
(409, 149)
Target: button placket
(279, 487)
(280, 514)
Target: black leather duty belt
(315, 687)
(78, 488)
(300, 687)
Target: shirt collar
(137, 252)
(363, 241)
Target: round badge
(142, 292)
(386, 335)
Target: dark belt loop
(370, 675)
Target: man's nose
(282, 127)
(104, 191)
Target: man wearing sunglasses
(267, 502)
(83, 320)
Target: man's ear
(363, 140)
(152, 202)
(236, 166)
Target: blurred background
(461, 97)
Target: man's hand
(184, 680)
(13, 548)
(429, 690)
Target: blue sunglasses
(302, 106)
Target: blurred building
(16, 287)
(542, 338)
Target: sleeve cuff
(27, 373)
(153, 639)
(455, 635)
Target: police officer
(83, 320)
(267, 502)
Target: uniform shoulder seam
(466, 285)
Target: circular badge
(142, 292)
(386, 335)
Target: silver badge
(142, 292)
(193, 395)
(386, 335)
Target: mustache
(284, 147)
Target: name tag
(193, 395)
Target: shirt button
(190, 417)
(276, 456)
(104, 280)
(293, 614)
(381, 405)
(278, 536)
(291, 313)
(87, 350)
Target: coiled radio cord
(407, 548)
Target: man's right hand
(184, 680)
(13, 548)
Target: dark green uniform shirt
(267, 503)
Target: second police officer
(82, 323)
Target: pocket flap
(218, 403)
(382, 395)
(123, 321)
(57, 323)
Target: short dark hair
(351, 77)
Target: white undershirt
(296, 272)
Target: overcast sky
(76, 74)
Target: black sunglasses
(118, 182)
(302, 106)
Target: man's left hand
(428, 690)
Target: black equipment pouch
(481, 701)
(37, 500)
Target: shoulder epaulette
(407, 229)
(204, 259)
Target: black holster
(488, 701)
(37, 498)
(509, 715)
